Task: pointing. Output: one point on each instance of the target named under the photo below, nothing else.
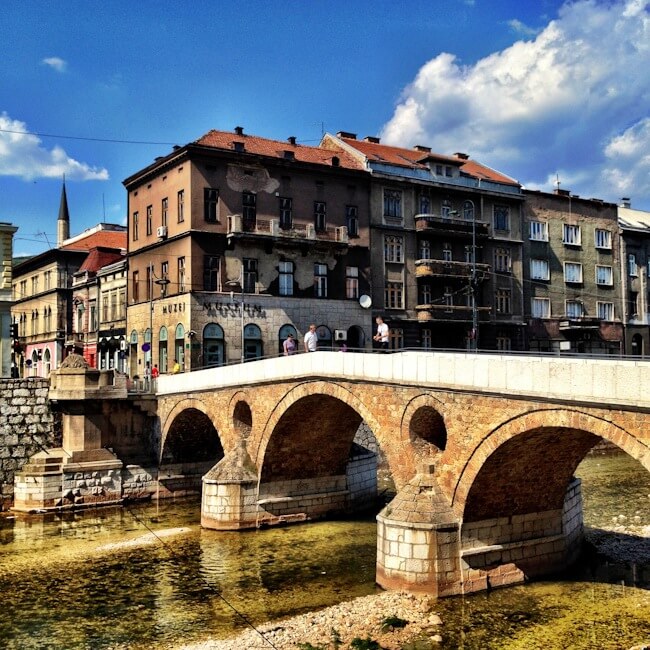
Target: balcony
(238, 228)
(451, 313)
(435, 223)
(442, 268)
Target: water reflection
(98, 579)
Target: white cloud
(575, 99)
(55, 63)
(520, 28)
(23, 155)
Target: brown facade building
(446, 247)
(572, 278)
(235, 241)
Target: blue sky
(534, 89)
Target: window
(632, 268)
(211, 273)
(135, 288)
(603, 239)
(249, 210)
(541, 308)
(393, 204)
(121, 304)
(539, 270)
(286, 278)
(47, 319)
(164, 270)
(393, 249)
(164, 211)
(181, 206)
(134, 223)
(448, 171)
(501, 217)
(445, 209)
(538, 231)
(425, 294)
(105, 298)
(286, 217)
(396, 335)
(352, 282)
(468, 211)
(47, 276)
(448, 299)
(574, 309)
(320, 280)
(34, 284)
(572, 272)
(634, 304)
(427, 339)
(504, 343)
(446, 252)
(503, 301)
(439, 170)
(210, 204)
(113, 296)
(181, 275)
(149, 224)
(571, 235)
(250, 274)
(425, 204)
(93, 314)
(605, 310)
(319, 215)
(425, 249)
(394, 295)
(352, 220)
(502, 262)
(604, 275)
(149, 280)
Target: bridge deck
(616, 381)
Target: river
(147, 576)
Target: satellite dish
(365, 301)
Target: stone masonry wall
(27, 426)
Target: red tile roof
(253, 144)
(116, 239)
(416, 159)
(98, 258)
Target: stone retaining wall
(27, 426)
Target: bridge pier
(423, 547)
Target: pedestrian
(155, 373)
(311, 339)
(147, 375)
(289, 346)
(344, 347)
(383, 334)
(176, 368)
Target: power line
(87, 139)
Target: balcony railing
(271, 228)
(456, 313)
(442, 268)
(439, 223)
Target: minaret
(63, 222)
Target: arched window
(324, 337)
(47, 363)
(213, 345)
(179, 345)
(285, 330)
(34, 368)
(468, 211)
(163, 360)
(133, 353)
(252, 342)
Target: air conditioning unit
(161, 232)
(340, 335)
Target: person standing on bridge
(289, 346)
(176, 367)
(383, 334)
(311, 339)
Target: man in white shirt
(382, 336)
(311, 339)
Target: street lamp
(231, 283)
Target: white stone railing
(584, 379)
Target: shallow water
(101, 580)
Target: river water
(100, 579)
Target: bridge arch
(423, 423)
(510, 461)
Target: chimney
(346, 134)
(462, 156)
(625, 202)
(239, 130)
(292, 140)
(371, 138)
(422, 148)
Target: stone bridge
(482, 449)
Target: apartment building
(572, 277)
(446, 247)
(635, 275)
(235, 241)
